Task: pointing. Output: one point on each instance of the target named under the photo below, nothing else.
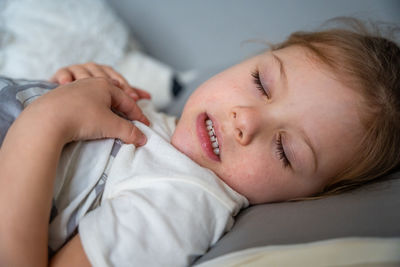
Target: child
(312, 116)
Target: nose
(246, 123)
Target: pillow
(369, 211)
(37, 37)
(44, 35)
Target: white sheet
(334, 252)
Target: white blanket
(37, 37)
(334, 252)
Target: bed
(147, 36)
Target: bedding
(37, 37)
(335, 252)
(370, 211)
(40, 36)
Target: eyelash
(257, 81)
(281, 152)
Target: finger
(79, 72)
(62, 76)
(134, 95)
(124, 130)
(96, 70)
(116, 83)
(123, 103)
(123, 82)
(114, 74)
(142, 93)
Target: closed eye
(259, 85)
(281, 152)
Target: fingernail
(64, 81)
(146, 121)
(142, 140)
(134, 96)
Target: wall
(199, 34)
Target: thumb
(124, 130)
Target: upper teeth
(213, 137)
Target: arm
(72, 254)
(30, 153)
(26, 192)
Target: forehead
(308, 78)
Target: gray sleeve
(15, 94)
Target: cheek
(221, 88)
(183, 139)
(248, 176)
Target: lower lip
(204, 138)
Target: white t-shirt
(147, 206)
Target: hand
(82, 110)
(87, 70)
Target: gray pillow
(370, 211)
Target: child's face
(308, 113)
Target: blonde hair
(369, 63)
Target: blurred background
(200, 34)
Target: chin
(182, 144)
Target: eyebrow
(282, 68)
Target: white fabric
(43, 35)
(159, 208)
(37, 37)
(79, 170)
(147, 73)
(351, 252)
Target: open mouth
(213, 137)
(208, 137)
